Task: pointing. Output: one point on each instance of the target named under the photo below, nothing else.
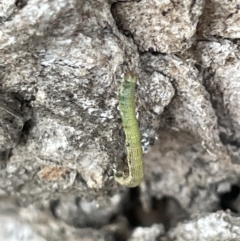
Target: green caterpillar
(133, 138)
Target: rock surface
(61, 137)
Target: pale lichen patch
(51, 173)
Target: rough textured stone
(222, 71)
(31, 224)
(151, 233)
(213, 227)
(61, 136)
(191, 109)
(170, 25)
(70, 77)
(220, 18)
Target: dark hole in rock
(25, 131)
(4, 157)
(21, 3)
(166, 211)
(231, 200)
(53, 207)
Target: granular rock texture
(70, 76)
(30, 224)
(190, 154)
(222, 72)
(221, 18)
(213, 227)
(61, 137)
(171, 24)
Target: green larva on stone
(132, 134)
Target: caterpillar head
(130, 77)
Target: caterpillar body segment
(132, 134)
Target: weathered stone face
(61, 64)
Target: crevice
(120, 25)
(231, 200)
(25, 131)
(4, 158)
(166, 211)
(227, 133)
(53, 205)
(21, 3)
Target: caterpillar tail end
(128, 181)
